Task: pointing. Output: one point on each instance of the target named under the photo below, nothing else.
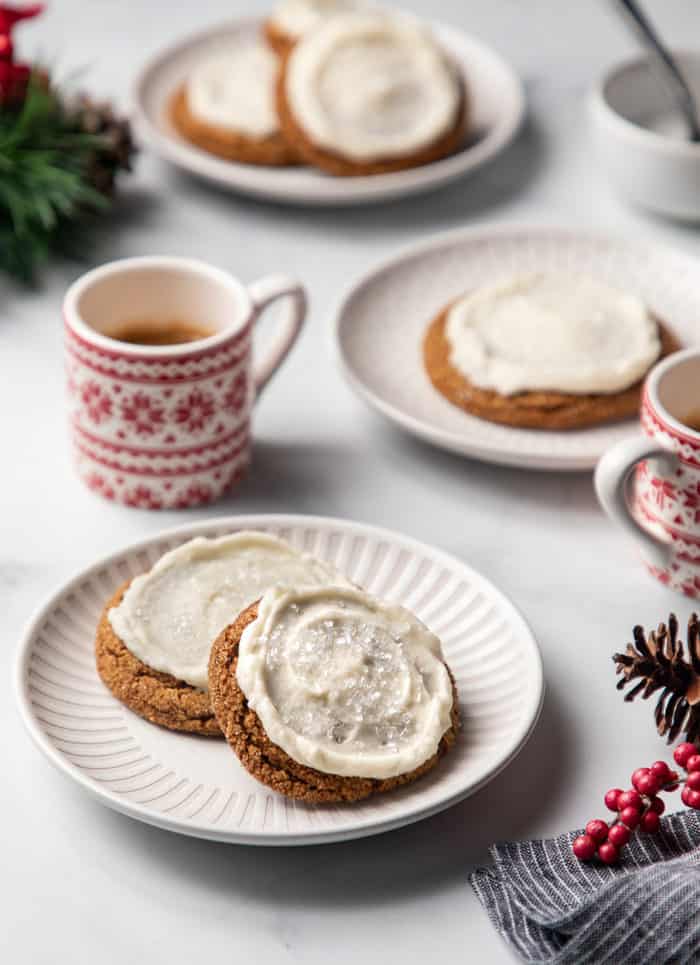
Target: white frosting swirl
(344, 683)
(235, 90)
(372, 86)
(297, 17)
(170, 616)
(555, 332)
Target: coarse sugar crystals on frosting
(554, 331)
(235, 90)
(344, 683)
(170, 616)
(297, 17)
(370, 86)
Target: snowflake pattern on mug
(97, 404)
(143, 413)
(195, 411)
(194, 495)
(235, 396)
(142, 497)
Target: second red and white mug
(650, 485)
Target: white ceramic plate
(497, 99)
(380, 324)
(195, 785)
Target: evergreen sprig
(44, 188)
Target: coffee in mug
(158, 331)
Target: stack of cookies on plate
(324, 692)
(348, 89)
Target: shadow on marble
(293, 478)
(470, 197)
(567, 490)
(420, 859)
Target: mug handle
(611, 480)
(263, 293)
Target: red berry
(608, 853)
(691, 798)
(584, 847)
(657, 805)
(638, 775)
(630, 816)
(650, 822)
(693, 781)
(629, 799)
(619, 835)
(683, 752)
(693, 763)
(648, 784)
(661, 770)
(611, 798)
(598, 830)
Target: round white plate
(497, 99)
(195, 785)
(381, 321)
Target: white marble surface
(84, 885)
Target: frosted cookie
(154, 637)
(326, 694)
(292, 19)
(370, 93)
(159, 697)
(227, 107)
(545, 351)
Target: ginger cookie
(158, 697)
(154, 638)
(542, 408)
(280, 42)
(227, 108)
(366, 94)
(292, 19)
(269, 763)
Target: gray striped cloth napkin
(552, 908)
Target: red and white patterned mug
(651, 486)
(168, 426)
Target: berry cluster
(640, 807)
(14, 77)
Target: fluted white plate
(195, 785)
(380, 325)
(497, 103)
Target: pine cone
(659, 663)
(118, 150)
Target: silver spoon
(663, 60)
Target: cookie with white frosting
(154, 637)
(371, 93)
(327, 694)
(159, 697)
(292, 19)
(227, 107)
(545, 351)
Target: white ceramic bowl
(640, 140)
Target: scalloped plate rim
(140, 812)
